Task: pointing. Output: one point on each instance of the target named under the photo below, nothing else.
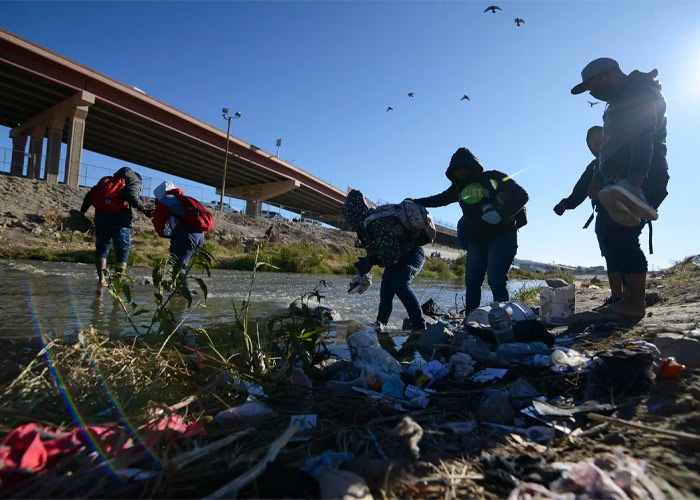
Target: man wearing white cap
(632, 174)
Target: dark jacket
(131, 194)
(482, 192)
(580, 192)
(634, 127)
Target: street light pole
(228, 118)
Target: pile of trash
(492, 405)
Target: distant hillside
(532, 265)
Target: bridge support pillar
(74, 153)
(36, 150)
(75, 108)
(255, 194)
(19, 153)
(253, 207)
(53, 151)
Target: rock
(326, 314)
(367, 355)
(686, 350)
(462, 366)
(556, 283)
(430, 308)
(522, 392)
(9, 215)
(495, 408)
(342, 485)
(36, 218)
(439, 333)
(595, 280)
(471, 344)
(653, 298)
(320, 312)
(328, 368)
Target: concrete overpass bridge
(45, 96)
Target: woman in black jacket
(493, 207)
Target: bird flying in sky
(389, 108)
(593, 103)
(410, 94)
(519, 21)
(465, 97)
(493, 8)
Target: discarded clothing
(32, 448)
(510, 470)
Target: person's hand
(559, 209)
(359, 284)
(363, 265)
(491, 217)
(593, 190)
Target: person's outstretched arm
(449, 195)
(580, 192)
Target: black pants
(620, 245)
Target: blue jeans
(396, 281)
(183, 242)
(493, 255)
(105, 235)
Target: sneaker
(608, 302)
(618, 211)
(633, 198)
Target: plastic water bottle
(540, 360)
(500, 323)
(521, 352)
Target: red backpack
(196, 216)
(107, 195)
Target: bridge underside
(124, 135)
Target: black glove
(559, 209)
(363, 265)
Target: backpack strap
(651, 243)
(588, 222)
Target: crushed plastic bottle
(540, 360)
(564, 360)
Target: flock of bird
(465, 97)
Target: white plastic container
(557, 305)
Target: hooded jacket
(131, 194)
(483, 191)
(385, 239)
(634, 127)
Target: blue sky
(321, 74)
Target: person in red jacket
(168, 223)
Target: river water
(61, 298)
